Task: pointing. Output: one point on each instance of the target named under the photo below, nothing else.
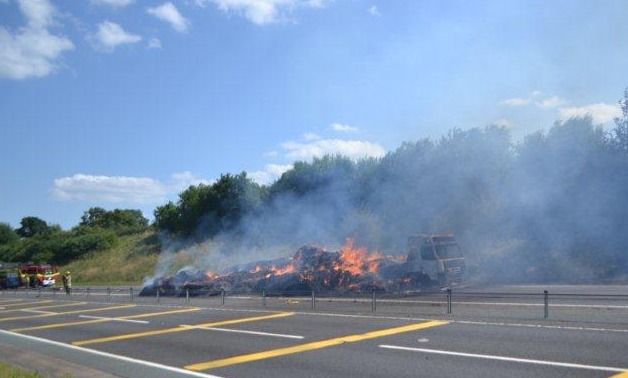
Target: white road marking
(507, 359)
(242, 331)
(500, 324)
(113, 356)
(114, 319)
(568, 328)
(463, 302)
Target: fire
(357, 261)
(258, 268)
(211, 275)
(280, 271)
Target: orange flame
(280, 271)
(357, 261)
(258, 268)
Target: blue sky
(123, 103)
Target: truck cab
(437, 257)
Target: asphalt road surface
(487, 332)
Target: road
(497, 331)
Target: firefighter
(67, 282)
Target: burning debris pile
(351, 270)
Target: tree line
(549, 207)
(37, 241)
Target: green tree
(620, 132)
(31, 226)
(121, 221)
(7, 234)
(209, 209)
(93, 217)
(168, 218)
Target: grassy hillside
(129, 263)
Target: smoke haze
(551, 208)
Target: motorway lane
(364, 358)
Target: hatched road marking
(243, 331)
(20, 304)
(66, 313)
(57, 305)
(164, 368)
(313, 346)
(181, 329)
(114, 319)
(38, 311)
(103, 320)
(5, 301)
(507, 359)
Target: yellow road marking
(312, 346)
(20, 304)
(180, 329)
(10, 300)
(59, 325)
(620, 375)
(57, 305)
(65, 313)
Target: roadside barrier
(451, 302)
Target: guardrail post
(222, 295)
(373, 303)
(449, 301)
(87, 290)
(187, 296)
(313, 299)
(131, 293)
(157, 295)
(264, 298)
(545, 304)
(108, 294)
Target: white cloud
(504, 122)
(183, 180)
(600, 112)
(169, 13)
(343, 128)
(311, 136)
(111, 35)
(551, 102)
(271, 173)
(32, 51)
(154, 43)
(516, 101)
(38, 13)
(114, 3)
(353, 149)
(121, 189)
(116, 189)
(263, 12)
(374, 11)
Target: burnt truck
(437, 258)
